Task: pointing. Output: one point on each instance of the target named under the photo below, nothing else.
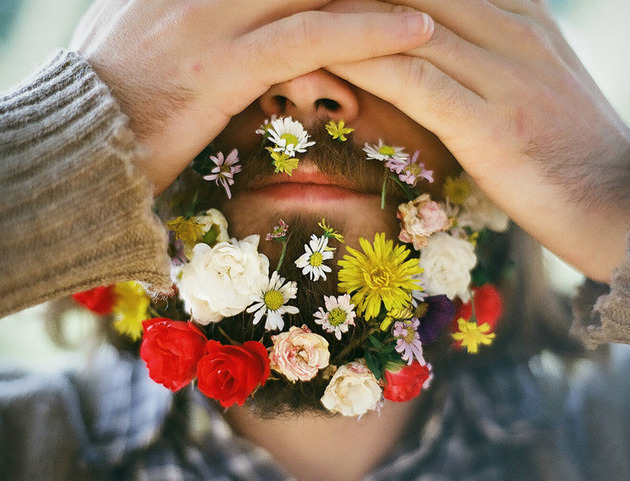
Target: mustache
(344, 160)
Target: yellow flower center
(387, 150)
(290, 139)
(378, 278)
(410, 336)
(337, 316)
(316, 259)
(225, 169)
(414, 170)
(273, 299)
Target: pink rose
(299, 354)
(421, 218)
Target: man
(523, 127)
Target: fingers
(311, 40)
(422, 91)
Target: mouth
(306, 185)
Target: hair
(535, 317)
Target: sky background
(31, 30)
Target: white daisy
(312, 261)
(289, 136)
(271, 302)
(385, 152)
(266, 125)
(339, 314)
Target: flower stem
(410, 194)
(384, 189)
(230, 340)
(282, 254)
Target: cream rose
(352, 391)
(420, 218)
(211, 220)
(299, 354)
(223, 280)
(480, 212)
(447, 262)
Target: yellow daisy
(282, 162)
(381, 274)
(338, 130)
(130, 309)
(189, 231)
(470, 335)
(456, 190)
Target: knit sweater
(74, 214)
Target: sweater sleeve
(601, 312)
(73, 213)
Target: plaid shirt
(493, 423)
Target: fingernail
(419, 23)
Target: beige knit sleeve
(73, 214)
(602, 313)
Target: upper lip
(306, 173)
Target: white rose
(213, 217)
(480, 212)
(352, 391)
(223, 280)
(447, 262)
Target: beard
(343, 160)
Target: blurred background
(30, 30)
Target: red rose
(99, 300)
(231, 373)
(407, 383)
(172, 350)
(488, 306)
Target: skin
(493, 80)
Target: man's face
(345, 191)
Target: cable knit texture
(73, 214)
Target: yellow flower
(456, 190)
(471, 335)
(282, 162)
(338, 130)
(130, 309)
(189, 231)
(394, 314)
(330, 232)
(382, 274)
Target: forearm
(73, 214)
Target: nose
(315, 96)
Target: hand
(182, 68)
(504, 92)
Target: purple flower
(224, 171)
(408, 340)
(279, 231)
(410, 170)
(440, 313)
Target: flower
(224, 171)
(279, 232)
(171, 351)
(439, 313)
(408, 340)
(339, 314)
(271, 299)
(352, 391)
(411, 170)
(230, 374)
(488, 306)
(480, 212)
(214, 226)
(469, 335)
(283, 162)
(337, 130)
(130, 309)
(447, 262)
(329, 232)
(223, 280)
(407, 382)
(299, 354)
(264, 128)
(381, 274)
(312, 261)
(456, 190)
(188, 230)
(418, 294)
(420, 218)
(99, 300)
(384, 152)
(289, 136)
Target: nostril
(280, 102)
(328, 104)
